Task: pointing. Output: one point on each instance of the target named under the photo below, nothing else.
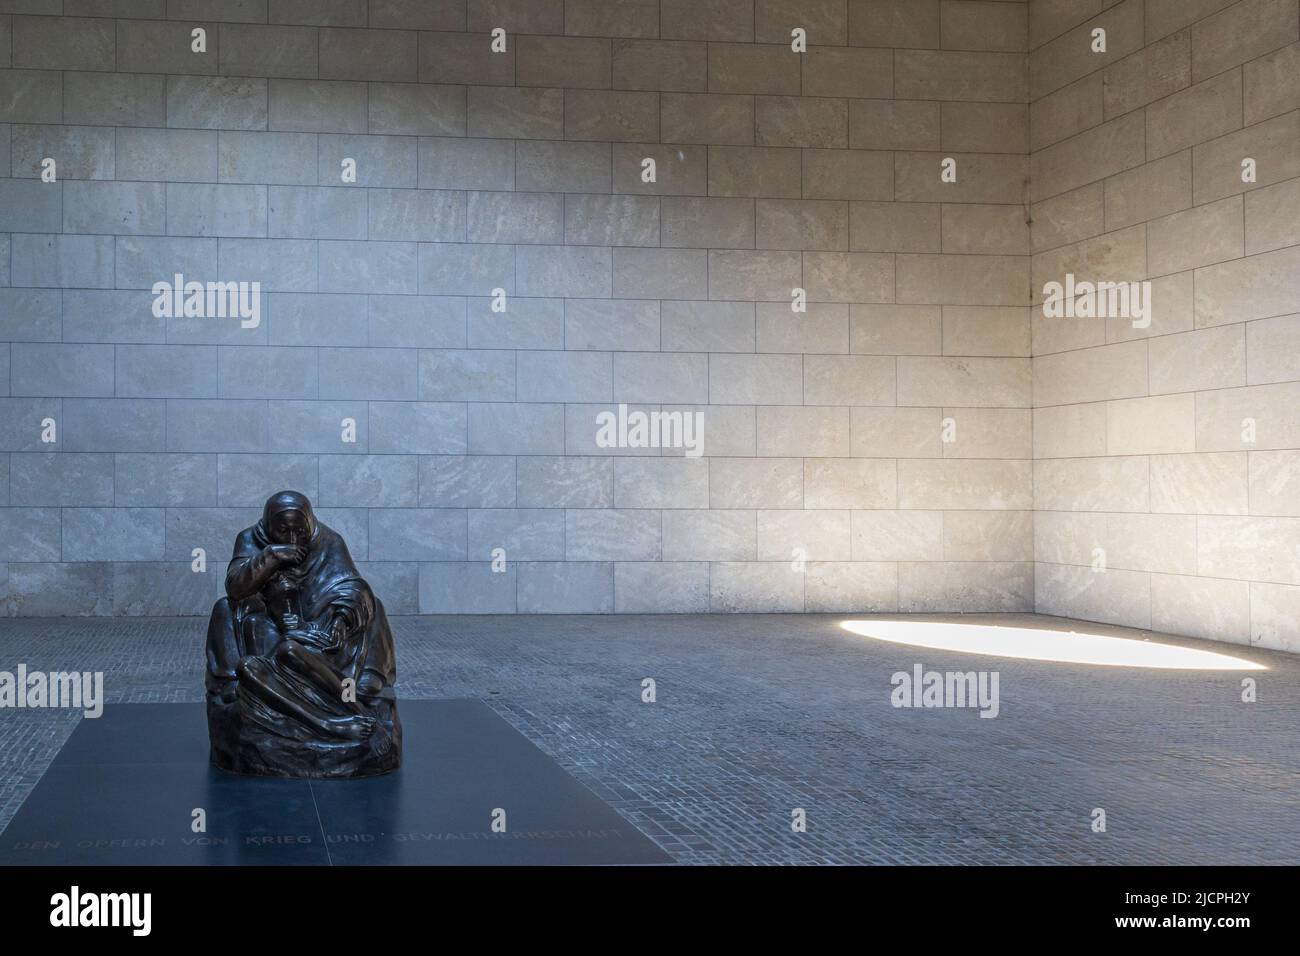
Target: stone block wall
(870, 453)
(1167, 458)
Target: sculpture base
(124, 788)
(243, 745)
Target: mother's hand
(282, 554)
(312, 636)
(318, 636)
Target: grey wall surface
(824, 432)
(1170, 450)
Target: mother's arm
(341, 621)
(246, 575)
(346, 616)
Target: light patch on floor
(1036, 644)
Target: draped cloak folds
(250, 679)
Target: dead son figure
(300, 657)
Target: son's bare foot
(352, 728)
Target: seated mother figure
(300, 657)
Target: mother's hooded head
(288, 519)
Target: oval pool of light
(1039, 644)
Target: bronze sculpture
(300, 656)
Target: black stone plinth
(123, 789)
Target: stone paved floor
(759, 714)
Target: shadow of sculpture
(300, 656)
